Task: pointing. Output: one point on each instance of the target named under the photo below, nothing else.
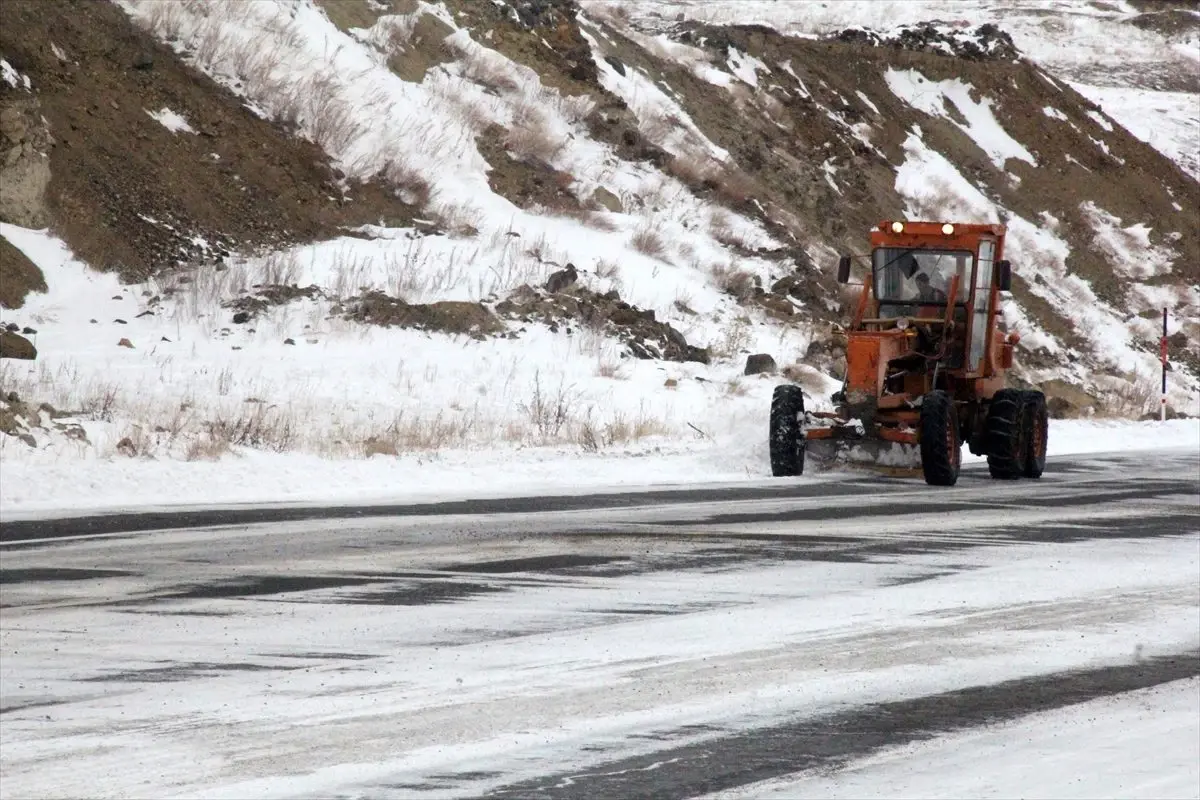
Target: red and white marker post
(1162, 352)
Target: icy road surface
(788, 640)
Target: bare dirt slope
(126, 193)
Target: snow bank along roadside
(53, 487)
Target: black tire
(941, 447)
(1036, 420)
(787, 443)
(1005, 433)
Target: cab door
(981, 302)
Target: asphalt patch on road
(563, 563)
(183, 671)
(15, 531)
(263, 586)
(49, 574)
(831, 742)
(420, 593)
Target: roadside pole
(1162, 352)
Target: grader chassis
(926, 364)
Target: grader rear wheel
(1006, 435)
(1036, 420)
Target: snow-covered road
(657, 645)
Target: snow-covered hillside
(1140, 62)
(594, 252)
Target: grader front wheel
(786, 437)
(941, 448)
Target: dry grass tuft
(649, 240)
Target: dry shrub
(257, 425)
(593, 218)
(738, 283)
(488, 69)
(735, 187)
(648, 240)
(607, 369)
(1128, 397)
(164, 19)
(417, 433)
(722, 228)
(406, 180)
(206, 447)
(735, 338)
(697, 170)
(657, 126)
(457, 219)
(607, 270)
(530, 137)
(549, 411)
(620, 429)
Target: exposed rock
(14, 345)
(1065, 401)
(24, 165)
(616, 64)
(987, 42)
(606, 199)
(125, 343)
(759, 363)
(289, 340)
(18, 275)
(779, 307)
(562, 280)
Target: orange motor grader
(926, 358)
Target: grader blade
(876, 455)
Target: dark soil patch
(1168, 21)
(528, 182)
(18, 276)
(247, 308)
(453, 317)
(130, 196)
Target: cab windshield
(919, 277)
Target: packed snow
(544, 675)
(171, 120)
(980, 122)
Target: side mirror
(1004, 276)
(843, 275)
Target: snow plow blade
(847, 447)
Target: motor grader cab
(926, 360)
